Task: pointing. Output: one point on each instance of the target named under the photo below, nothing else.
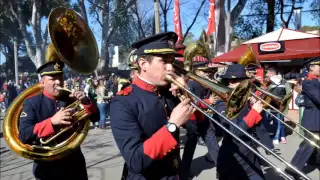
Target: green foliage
(310, 28)
(315, 6)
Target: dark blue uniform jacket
(138, 116)
(35, 123)
(311, 95)
(235, 161)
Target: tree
(106, 12)
(165, 6)
(285, 23)
(315, 7)
(29, 13)
(142, 21)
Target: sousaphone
(72, 42)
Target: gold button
(165, 105)
(173, 147)
(169, 150)
(165, 154)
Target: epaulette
(125, 92)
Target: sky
(188, 9)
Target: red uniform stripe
(159, 144)
(252, 118)
(44, 128)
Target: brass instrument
(249, 59)
(235, 99)
(74, 44)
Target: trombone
(186, 90)
(249, 59)
(286, 124)
(235, 100)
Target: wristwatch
(173, 129)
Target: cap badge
(57, 67)
(171, 45)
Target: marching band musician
(200, 126)
(235, 161)
(144, 119)
(41, 116)
(311, 116)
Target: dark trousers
(71, 167)
(304, 154)
(195, 129)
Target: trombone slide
(170, 79)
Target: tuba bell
(72, 42)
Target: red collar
(144, 85)
(312, 76)
(48, 95)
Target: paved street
(105, 162)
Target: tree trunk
(165, 21)
(16, 63)
(270, 16)
(104, 52)
(83, 10)
(35, 55)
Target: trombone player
(235, 161)
(144, 119)
(41, 117)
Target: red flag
(211, 23)
(177, 21)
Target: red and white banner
(177, 21)
(211, 23)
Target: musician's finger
(65, 122)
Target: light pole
(157, 16)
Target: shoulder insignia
(23, 114)
(124, 92)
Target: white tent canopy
(281, 34)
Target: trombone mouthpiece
(168, 77)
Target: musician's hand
(252, 100)
(62, 117)
(213, 99)
(181, 113)
(258, 106)
(174, 87)
(81, 96)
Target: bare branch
(95, 5)
(97, 18)
(236, 11)
(292, 9)
(281, 13)
(193, 21)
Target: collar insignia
(23, 114)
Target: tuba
(235, 98)
(72, 42)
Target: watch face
(172, 128)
